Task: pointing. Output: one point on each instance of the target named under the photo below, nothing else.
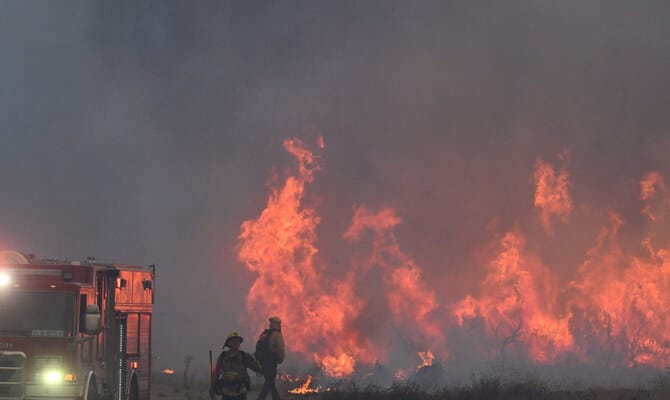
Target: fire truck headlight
(53, 376)
(5, 280)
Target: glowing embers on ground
(423, 373)
(306, 389)
(427, 359)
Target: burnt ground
(171, 388)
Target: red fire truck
(74, 329)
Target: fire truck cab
(74, 330)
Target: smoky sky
(145, 132)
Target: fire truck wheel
(92, 390)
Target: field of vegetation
(479, 388)
(495, 389)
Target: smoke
(146, 132)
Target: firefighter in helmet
(270, 353)
(231, 379)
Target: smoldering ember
(428, 200)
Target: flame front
(410, 300)
(280, 247)
(621, 310)
(517, 304)
(613, 312)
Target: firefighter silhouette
(231, 379)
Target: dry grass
(479, 388)
(492, 388)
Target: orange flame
(552, 195)
(655, 195)
(615, 311)
(305, 389)
(517, 302)
(622, 301)
(280, 247)
(412, 303)
(167, 371)
(427, 358)
(651, 184)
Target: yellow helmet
(233, 335)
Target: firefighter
(270, 353)
(231, 379)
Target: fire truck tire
(92, 392)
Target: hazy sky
(145, 132)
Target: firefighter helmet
(233, 335)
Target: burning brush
(612, 311)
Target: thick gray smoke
(145, 132)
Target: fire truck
(74, 330)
